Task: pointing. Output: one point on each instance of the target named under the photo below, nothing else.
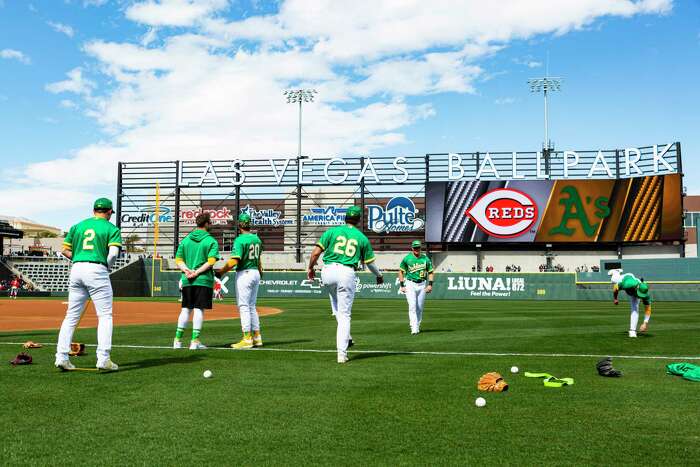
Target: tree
(45, 234)
(130, 242)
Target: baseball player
(195, 256)
(92, 245)
(414, 269)
(217, 289)
(245, 257)
(637, 290)
(14, 288)
(343, 248)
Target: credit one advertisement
(645, 209)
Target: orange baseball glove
(492, 382)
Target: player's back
(345, 244)
(247, 249)
(90, 240)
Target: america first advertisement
(634, 210)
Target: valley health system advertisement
(631, 210)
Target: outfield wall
(495, 286)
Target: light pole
(545, 85)
(299, 96)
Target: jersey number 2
(345, 247)
(87, 241)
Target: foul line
(401, 352)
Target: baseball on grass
(514, 369)
(207, 374)
(480, 402)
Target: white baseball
(207, 374)
(514, 369)
(480, 402)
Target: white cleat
(108, 365)
(342, 358)
(177, 344)
(196, 345)
(64, 365)
(632, 333)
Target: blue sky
(86, 83)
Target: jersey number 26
(345, 247)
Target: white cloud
(505, 101)
(62, 28)
(173, 12)
(76, 83)
(68, 104)
(213, 89)
(11, 54)
(37, 201)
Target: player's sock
(256, 333)
(247, 335)
(197, 322)
(182, 322)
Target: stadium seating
(50, 274)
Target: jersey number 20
(254, 251)
(345, 247)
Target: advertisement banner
(563, 211)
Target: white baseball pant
(340, 282)
(88, 281)
(634, 314)
(247, 283)
(415, 296)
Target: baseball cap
(244, 218)
(643, 290)
(102, 203)
(353, 211)
(415, 244)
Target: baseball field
(401, 400)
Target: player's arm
(260, 267)
(368, 258)
(180, 261)
(431, 276)
(402, 275)
(315, 255)
(232, 262)
(68, 244)
(616, 291)
(203, 268)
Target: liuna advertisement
(631, 210)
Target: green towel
(551, 381)
(686, 370)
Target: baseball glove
(605, 368)
(22, 358)
(492, 382)
(31, 345)
(76, 349)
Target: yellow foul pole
(156, 225)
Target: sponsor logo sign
(399, 215)
(147, 216)
(504, 212)
(269, 217)
(476, 286)
(221, 216)
(330, 215)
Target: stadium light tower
(299, 96)
(545, 85)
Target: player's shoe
(632, 333)
(177, 344)
(342, 358)
(107, 365)
(643, 327)
(243, 344)
(64, 365)
(257, 341)
(196, 345)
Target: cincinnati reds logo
(504, 212)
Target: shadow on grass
(152, 362)
(362, 356)
(436, 330)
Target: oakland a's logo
(504, 212)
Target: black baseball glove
(605, 368)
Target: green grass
(292, 408)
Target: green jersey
(416, 269)
(197, 248)
(90, 240)
(629, 283)
(346, 245)
(247, 249)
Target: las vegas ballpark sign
(504, 212)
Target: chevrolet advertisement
(634, 210)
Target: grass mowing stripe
(401, 352)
